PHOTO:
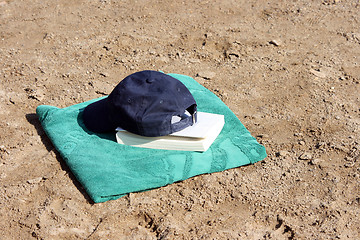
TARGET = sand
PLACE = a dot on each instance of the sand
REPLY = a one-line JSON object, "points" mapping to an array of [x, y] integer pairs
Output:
{"points": [[289, 70]]}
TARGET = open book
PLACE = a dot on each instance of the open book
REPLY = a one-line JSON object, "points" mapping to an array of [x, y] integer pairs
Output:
{"points": [[197, 137]]}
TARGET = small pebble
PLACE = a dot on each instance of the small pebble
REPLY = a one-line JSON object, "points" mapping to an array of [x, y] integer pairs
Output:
{"points": [[15, 100], [35, 180], [3, 149], [206, 75], [316, 161], [276, 42], [318, 73], [305, 156], [104, 74], [265, 136], [283, 153]]}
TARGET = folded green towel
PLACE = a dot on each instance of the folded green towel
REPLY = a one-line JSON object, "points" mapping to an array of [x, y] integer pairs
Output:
{"points": [[108, 170]]}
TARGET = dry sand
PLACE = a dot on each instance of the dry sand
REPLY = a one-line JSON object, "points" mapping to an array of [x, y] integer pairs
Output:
{"points": [[289, 70]]}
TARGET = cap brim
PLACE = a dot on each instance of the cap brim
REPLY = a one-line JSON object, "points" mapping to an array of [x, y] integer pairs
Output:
{"points": [[96, 117]]}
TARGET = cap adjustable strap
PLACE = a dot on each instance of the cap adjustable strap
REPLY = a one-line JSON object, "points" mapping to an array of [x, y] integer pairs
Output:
{"points": [[187, 121]]}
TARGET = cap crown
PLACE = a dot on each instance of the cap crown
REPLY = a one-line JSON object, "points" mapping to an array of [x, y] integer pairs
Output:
{"points": [[145, 102]]}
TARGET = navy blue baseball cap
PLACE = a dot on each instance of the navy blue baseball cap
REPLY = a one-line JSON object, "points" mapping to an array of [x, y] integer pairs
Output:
{"points": [[147, 103]]}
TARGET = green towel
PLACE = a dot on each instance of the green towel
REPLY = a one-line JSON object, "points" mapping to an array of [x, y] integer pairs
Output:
{"points": [[108, 170]]}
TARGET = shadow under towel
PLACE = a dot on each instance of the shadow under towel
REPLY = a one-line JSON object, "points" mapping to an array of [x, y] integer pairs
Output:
{"points": [[108, 170]]}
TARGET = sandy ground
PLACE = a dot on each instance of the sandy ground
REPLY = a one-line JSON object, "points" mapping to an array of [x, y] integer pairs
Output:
{"points": [[289, 70]]}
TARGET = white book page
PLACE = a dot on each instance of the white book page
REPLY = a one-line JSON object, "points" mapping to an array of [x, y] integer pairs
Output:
{"points": [[205, 122]]}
